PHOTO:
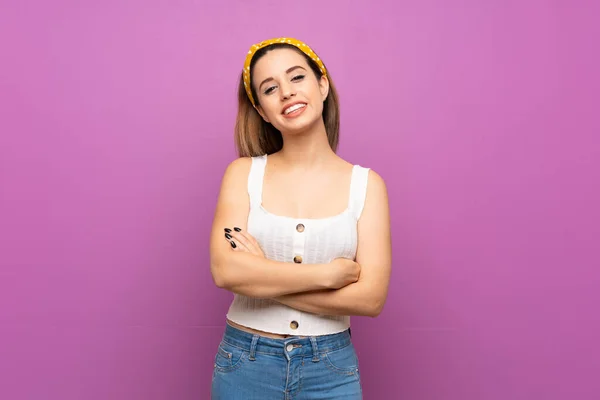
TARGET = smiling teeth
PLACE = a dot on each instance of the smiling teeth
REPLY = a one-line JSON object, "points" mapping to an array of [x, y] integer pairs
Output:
{"points": [[294, 108]]}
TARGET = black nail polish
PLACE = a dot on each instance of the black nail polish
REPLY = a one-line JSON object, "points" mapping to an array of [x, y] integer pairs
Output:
{"points": [[237, 229], [227, 230], [233, 244], [228, 236]]}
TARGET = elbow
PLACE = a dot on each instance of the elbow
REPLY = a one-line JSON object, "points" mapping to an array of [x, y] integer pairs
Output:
{"points": [[219, 281], [223, 271], [374, 308], [222, 280], [219, 276]]}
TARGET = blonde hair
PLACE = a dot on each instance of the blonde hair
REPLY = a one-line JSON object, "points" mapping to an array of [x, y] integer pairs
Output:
{"points": [[256, 137]]}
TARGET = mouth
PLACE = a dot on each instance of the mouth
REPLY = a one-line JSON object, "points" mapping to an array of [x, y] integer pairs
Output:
{"points": [[294, 109]]}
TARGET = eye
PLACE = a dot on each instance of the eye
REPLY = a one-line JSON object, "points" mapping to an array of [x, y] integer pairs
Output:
{"points": [[298, 78], [269, 90]]}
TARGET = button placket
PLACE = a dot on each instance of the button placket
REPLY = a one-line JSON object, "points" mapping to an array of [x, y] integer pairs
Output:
{"points": [[299, 240]]}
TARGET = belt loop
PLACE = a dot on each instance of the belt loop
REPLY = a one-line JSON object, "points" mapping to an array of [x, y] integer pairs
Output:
{"points": [[253, 348], [313, 342]]}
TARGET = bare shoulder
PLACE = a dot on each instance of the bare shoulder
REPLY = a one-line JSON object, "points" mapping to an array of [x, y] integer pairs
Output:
{"points": [[234, 182], [238, 167], [376, 181], [376, 186], [376, 200], [236, 173]]}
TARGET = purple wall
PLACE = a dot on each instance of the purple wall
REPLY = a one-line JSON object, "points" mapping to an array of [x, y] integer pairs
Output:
{"points": [[116, 124]]}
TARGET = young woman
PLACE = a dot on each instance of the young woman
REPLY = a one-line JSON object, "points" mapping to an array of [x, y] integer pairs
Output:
{"points": [[300, 236]]}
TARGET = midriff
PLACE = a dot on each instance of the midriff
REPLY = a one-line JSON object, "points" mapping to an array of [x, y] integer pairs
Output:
{"points": [[260, 333]]}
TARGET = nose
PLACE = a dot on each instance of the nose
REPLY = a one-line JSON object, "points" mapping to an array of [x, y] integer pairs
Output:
{"points": [[287, 91]]}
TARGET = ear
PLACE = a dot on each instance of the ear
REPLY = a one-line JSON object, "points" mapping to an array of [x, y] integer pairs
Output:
{"points": [[324, 87], [262, 114]]}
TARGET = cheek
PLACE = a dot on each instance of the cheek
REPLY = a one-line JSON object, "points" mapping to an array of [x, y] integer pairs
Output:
{"points": [[316, 94], [271, 110], [269, 107], [319, 107], [317, 99]]}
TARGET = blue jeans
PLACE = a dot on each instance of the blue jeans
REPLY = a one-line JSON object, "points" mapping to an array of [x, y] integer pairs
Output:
{"points": [[253, 367]]}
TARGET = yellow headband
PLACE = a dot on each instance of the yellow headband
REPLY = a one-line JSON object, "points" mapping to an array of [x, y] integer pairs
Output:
{"points": [[300, 45]]}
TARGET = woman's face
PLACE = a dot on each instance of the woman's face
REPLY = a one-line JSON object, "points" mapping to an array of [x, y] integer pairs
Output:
{"points": [[290, 96]]}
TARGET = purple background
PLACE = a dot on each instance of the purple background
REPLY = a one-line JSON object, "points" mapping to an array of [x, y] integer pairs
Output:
{"points": [[116, 122]]}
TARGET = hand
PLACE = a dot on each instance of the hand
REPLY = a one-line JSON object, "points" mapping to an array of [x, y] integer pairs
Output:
{"points": [[243, 241], [343, 272]]}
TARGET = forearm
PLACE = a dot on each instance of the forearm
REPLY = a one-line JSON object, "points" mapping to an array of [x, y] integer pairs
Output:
{"points": [[354, 299], [253, 276]]}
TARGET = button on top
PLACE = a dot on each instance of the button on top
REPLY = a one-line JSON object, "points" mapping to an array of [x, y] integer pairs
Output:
{"points": [[294, 325], [289, 347], [300, 228], [298, 259]]}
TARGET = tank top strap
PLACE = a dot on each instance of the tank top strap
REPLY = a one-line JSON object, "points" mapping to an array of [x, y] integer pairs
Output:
{"points": [[358, 190], [255, 180]]}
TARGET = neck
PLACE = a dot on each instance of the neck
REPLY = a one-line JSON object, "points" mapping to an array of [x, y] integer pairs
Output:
{"points": [[307, 149]]}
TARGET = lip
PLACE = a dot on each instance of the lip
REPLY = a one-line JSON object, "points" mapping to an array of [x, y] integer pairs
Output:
{"points": [[290, 105]]}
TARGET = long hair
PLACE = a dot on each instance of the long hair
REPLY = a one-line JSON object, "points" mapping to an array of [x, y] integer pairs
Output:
{"points": [[256, 137]]}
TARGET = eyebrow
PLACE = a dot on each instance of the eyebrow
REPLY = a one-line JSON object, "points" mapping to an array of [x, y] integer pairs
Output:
{"points": [[287, 72]]}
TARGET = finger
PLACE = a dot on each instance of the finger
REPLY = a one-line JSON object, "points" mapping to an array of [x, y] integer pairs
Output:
{"points": [[241, 239], [235, 244], [253, 241], [249, 241]]}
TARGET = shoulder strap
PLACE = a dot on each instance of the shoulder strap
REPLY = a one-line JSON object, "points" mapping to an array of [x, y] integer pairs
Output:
{"points": [[255, 180], [358, 190]]}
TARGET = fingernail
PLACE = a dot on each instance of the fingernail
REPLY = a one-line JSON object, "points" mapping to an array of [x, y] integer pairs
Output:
{"points": [[233, 244], [237, 229], [228, 236], [227, 230]]}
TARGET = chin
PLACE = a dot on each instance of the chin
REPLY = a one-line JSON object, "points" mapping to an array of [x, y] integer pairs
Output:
{"points": [[299, 124], [295, 129]]}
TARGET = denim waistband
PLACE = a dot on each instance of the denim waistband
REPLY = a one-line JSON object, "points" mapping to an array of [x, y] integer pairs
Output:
{"points": [[311, 345]]}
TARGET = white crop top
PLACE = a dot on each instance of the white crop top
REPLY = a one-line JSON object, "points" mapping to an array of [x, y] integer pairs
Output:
{"points": [[303, 241]]}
